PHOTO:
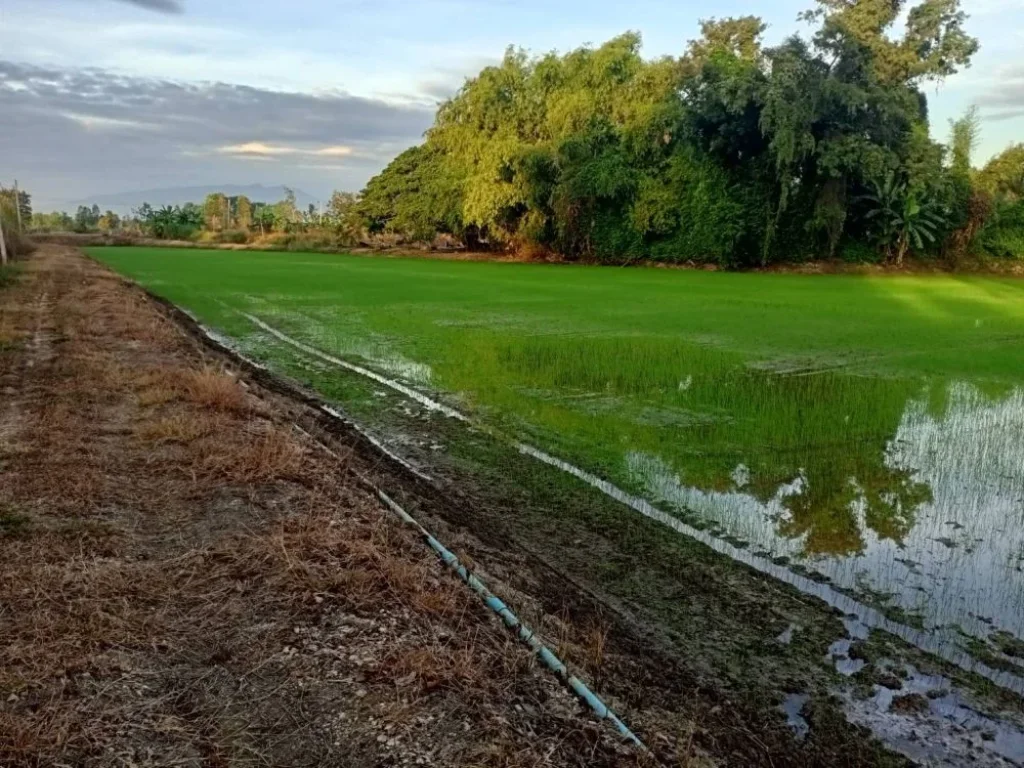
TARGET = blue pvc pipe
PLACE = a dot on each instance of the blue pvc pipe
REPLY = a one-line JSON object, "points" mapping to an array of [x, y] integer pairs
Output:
{"points": [[524, 633]]}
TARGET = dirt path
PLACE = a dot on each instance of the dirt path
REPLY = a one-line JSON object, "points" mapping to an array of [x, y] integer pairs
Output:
{"points": [[185, 579]]}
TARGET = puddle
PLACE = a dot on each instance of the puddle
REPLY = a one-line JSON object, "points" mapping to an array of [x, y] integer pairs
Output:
{"points": [[930, 721], [786, 636], [375, 349], [939, 643], [792, 707], [412, 394]]}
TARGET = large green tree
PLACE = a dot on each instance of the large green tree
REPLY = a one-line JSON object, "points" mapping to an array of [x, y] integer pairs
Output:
{"points": [[732, 153]]}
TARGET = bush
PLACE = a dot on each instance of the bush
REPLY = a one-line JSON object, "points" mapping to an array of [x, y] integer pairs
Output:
{"points": [[859, 252], [17, 245], [1003, 235], [689, 213], [310, 240]]}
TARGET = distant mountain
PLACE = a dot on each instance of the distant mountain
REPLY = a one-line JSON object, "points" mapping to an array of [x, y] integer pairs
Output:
{"points": [[122, 203]]}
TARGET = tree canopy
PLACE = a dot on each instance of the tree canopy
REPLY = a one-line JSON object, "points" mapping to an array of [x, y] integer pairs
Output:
{"points": [[732, 152]]}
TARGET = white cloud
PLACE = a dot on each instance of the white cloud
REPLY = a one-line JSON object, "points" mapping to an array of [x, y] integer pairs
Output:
{"points": [[262, 150], [100, 123]]}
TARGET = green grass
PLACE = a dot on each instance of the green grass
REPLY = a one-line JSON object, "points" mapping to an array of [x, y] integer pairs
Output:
{"points": [[657, 379], [8, 274]]}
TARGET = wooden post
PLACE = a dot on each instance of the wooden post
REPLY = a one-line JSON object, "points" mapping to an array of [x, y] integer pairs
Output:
{"points": [[3, 243]]}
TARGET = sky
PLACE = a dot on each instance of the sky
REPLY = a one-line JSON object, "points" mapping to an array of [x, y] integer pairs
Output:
{"points": [[109, 96]]}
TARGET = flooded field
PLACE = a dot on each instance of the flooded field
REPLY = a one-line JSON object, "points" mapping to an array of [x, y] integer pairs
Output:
{"points": [[865, 435]]}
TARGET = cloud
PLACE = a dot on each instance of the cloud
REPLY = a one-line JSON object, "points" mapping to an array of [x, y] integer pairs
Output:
{"points": [[79, 131], [261, 150], [96, 122], [1011, 114], [1003, 99], [164, 6]]}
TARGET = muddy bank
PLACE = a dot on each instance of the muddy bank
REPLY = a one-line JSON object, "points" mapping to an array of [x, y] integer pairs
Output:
{"points": [[187, 579]]}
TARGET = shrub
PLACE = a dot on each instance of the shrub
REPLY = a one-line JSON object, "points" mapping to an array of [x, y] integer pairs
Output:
{"points": [[859, 252], [237, 236], [1003, 235]]}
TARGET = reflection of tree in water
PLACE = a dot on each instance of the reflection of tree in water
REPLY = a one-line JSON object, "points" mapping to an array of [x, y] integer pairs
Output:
{"points": [[825, 512], [838, 450], [714, 412], [890, 507]]}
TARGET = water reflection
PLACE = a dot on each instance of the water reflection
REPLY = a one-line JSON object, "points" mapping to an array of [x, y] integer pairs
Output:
{"points": [[935, 526]]}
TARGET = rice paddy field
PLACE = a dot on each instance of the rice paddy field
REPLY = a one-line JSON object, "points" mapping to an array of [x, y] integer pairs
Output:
{"points": [[868, 431]]}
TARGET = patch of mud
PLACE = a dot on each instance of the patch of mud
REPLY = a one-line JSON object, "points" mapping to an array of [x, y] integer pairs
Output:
{"points": [[924, 716]]}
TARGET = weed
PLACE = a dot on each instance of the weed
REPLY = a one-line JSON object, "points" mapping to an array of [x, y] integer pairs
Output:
{"points": [[214, 389], [12, 522], [180, 428]]}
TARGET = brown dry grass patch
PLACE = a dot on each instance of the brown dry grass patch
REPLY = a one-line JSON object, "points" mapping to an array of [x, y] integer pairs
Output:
{"points": [[180, 428], [207, 387], [363, 563], [154, 396], [214, 389], [272, 455]]}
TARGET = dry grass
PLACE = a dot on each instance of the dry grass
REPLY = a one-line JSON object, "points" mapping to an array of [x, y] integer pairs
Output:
{"points": [[274, 454], [179, 428], [462, 670], [154, 396], [208, 387], [216, 390]]}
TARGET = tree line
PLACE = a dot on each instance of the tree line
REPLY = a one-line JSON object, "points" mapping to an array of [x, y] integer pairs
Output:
{"points": [[223, 219], [733, 153]]}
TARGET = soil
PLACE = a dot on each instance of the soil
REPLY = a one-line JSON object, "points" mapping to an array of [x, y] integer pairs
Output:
{"points": [[187, 579]]}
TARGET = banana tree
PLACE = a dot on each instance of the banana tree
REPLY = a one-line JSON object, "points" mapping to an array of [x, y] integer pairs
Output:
{"points": [[902, 218]]}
